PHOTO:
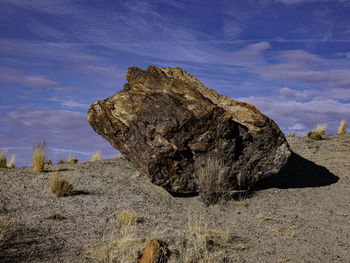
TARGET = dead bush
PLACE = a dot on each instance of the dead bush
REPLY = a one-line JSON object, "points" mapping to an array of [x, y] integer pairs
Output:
{"points": [[3, 158], [60, 186], [342, 127], [39, 155], [96, 156], [211, 181]]}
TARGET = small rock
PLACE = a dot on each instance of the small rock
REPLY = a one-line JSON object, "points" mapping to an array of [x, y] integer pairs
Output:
{"points": [[156, 251]]}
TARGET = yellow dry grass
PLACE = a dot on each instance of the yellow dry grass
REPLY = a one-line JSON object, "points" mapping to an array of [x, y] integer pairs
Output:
{"points": [[119, 156], [197, 241], [197, 238], [321, 129], [72, 160], [39, 155], [3, 157], [318, 132], [211, 183], [123, 248], [96, 156], [342, 127], [12, 161], [8, 230], [293, 134], [127, 218], [60, 186], [5, 226]]}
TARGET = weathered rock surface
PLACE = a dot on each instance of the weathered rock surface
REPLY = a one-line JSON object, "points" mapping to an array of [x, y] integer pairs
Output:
{"points": [[167, 123], [156, 251]]}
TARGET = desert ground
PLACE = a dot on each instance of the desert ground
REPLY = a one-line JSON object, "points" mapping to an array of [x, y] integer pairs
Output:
{"points": [[299, 215]]}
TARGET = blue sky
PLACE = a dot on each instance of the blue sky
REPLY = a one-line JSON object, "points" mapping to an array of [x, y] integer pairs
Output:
{"points": [[290, 58]]}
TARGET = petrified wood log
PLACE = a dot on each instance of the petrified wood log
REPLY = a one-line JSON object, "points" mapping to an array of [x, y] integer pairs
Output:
{"points": [[168, 124]]}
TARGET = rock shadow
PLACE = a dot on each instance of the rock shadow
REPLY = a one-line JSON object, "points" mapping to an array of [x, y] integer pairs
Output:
{"points": [[81, 192], [298, 173], [28, 245]]}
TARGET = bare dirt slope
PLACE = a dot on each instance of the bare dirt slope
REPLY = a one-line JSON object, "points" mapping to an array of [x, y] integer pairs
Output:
{"points": [[301, 215]]}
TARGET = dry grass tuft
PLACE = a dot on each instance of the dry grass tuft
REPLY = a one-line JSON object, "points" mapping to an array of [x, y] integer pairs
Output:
{"points": [[119, 156], [39, 155], [293, 134], [342, 127], [3, 158], [70, 160], [96, 156], [210, 182], [60, 186], [12, 161], [320, 130], [124, 248], [127, 218], [203, 243], [6, 232]]}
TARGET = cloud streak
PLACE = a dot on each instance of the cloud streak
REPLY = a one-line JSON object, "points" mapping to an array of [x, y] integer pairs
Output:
{"points": [[9, 75], [62, 129], [290, 114]]}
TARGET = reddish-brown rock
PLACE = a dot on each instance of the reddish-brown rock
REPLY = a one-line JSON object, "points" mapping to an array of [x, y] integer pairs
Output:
{"points": [[167, 124], [156, 251]]}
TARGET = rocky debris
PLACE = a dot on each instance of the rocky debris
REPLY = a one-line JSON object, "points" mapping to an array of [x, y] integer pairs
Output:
{"points": [[156, 251], [168, 124]]}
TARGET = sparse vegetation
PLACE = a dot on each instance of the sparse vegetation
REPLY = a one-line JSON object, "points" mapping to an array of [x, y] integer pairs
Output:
{"points": [[203, 243], [119, 156], [124, 248], [96, 156], [60, 186], [12, 161], [319, 131], [70, 160], [342, 127], [6, 230], [293, 134], [39, 155], [49, 162], [3, 159], [127, 218], [211, 183]]}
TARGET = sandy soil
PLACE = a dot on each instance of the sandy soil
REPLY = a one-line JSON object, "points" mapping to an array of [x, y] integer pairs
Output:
{"points": [[301, 215]]}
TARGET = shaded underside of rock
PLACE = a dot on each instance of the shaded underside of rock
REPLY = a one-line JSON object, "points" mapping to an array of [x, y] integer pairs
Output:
{"points": [[168, 124]]}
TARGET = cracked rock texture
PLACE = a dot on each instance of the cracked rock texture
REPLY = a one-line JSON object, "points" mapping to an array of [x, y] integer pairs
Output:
{"points": [[168, 125]]}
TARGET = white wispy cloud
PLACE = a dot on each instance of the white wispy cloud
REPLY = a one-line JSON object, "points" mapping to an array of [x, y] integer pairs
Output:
{"points": [[110, 72], [9, 75], [289, 114], [291, 2], [69, 103], [62, 129], [59, 52], [45, 6], [287, 93], [303, 67]]}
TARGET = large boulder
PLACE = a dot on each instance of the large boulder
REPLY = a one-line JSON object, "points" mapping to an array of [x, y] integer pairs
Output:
{"points": [[169, 125]]}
